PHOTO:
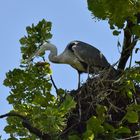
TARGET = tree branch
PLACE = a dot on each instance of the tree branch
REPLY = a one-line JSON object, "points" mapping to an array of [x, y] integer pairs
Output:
{"points": [[27, 125], [127, 47], [130, 40], [53, 83]]}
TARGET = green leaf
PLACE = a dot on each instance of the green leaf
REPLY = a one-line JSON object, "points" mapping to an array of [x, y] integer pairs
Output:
{"points": [[136, 30], [115, 32], [88, 135], [134, 107], [101, 112], [29, 30], [9, 129], [109, 127], [68, 104], [123, 130], [73, 137], [129, 94], [94, 124], [23, 41], [10, 99], [132, 116], [36, 35], [115, 12], [61, 92]]}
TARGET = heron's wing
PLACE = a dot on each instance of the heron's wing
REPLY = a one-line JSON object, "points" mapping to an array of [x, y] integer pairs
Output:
{"points": [[90, 55]]}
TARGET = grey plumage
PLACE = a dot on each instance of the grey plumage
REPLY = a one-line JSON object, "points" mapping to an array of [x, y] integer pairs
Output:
{"points": [[90, 57], [81, 56]]}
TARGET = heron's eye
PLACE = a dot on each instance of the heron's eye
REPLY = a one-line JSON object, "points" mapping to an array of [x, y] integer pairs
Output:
{"points": [[71, 45]]}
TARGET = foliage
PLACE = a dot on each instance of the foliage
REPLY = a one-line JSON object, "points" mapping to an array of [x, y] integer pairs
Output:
{"points": [[117, 13], [129, 80], [108, 110], [36, 35], [112, 106], [30, 93]]}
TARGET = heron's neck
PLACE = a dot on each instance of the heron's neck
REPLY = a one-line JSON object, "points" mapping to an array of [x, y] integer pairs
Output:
{"points": [[53, 57]]}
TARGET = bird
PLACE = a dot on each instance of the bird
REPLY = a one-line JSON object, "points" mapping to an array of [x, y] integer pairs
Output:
{"points": [[82, 56]]}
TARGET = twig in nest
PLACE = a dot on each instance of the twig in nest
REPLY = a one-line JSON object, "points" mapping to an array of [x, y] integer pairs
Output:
{"points": [[79, 104], [114, 107]]}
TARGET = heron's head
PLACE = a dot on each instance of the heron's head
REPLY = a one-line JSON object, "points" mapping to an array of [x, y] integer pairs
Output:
{"points": [[42, 49]]}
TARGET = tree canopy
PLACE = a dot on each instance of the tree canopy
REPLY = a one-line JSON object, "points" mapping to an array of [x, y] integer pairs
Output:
{"points": [[106, 107]]}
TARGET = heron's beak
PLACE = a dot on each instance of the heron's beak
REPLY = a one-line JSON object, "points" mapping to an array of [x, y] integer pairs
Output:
{"points": [[37, 52]]}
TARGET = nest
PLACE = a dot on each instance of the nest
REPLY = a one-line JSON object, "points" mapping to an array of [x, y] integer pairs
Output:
{"points": [[99, 90]]}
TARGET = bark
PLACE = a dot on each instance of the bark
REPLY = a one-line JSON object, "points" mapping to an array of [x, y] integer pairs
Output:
{"points": [[128, 45]]}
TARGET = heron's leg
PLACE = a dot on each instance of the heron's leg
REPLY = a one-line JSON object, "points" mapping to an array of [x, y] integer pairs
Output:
{"points": [[79, 79], [88, 72], [88, 78]]}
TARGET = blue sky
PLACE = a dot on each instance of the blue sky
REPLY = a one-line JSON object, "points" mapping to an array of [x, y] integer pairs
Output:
{"points": [[71, 21]]}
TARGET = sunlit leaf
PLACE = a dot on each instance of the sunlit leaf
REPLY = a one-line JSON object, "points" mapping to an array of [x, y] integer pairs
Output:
{"points": [[94, 124], [123, 130], [132, 117], [88, 135], [101, 112]]}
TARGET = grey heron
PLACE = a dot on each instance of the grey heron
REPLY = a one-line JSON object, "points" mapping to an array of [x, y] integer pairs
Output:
{"points": [[81, 56]]}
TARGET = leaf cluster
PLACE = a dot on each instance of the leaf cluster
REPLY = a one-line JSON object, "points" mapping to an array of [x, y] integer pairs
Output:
{"points": [[107, 112], [36, 35], [31, 97], [31, 92], [117, 13]]}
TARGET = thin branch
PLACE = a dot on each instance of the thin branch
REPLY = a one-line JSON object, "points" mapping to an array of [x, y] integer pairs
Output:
{"points": [[128, 45], [79, 107], [12, 114], [129, 138], [119, 45], [130, 63], [67, 130], [27, 125], [53, 83]]}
